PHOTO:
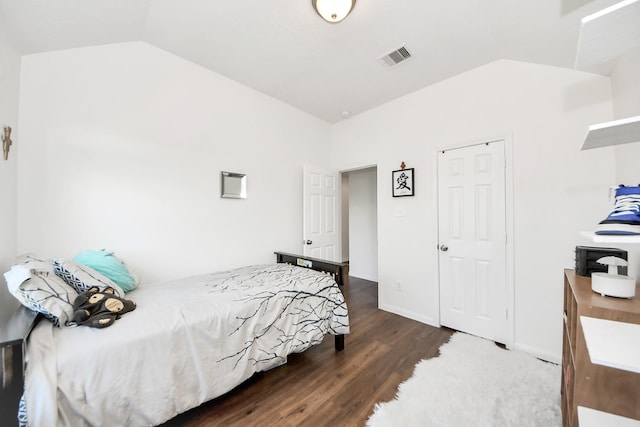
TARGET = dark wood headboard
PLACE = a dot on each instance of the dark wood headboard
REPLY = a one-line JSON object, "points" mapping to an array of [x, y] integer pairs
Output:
{"points": [[336, 269], [13, 344]]}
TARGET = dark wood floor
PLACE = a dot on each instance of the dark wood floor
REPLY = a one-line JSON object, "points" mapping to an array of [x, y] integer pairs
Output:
{"points": [[321, 387]]}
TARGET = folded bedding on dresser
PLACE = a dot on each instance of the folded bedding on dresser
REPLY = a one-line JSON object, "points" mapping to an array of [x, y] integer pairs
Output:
{"points": [[187, 342]]}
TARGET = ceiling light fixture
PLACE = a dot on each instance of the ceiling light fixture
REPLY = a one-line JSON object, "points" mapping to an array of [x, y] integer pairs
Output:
{"points": [[333, 11]]}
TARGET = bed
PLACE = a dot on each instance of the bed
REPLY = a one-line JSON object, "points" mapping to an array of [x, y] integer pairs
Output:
{"points": [[187, 342]]}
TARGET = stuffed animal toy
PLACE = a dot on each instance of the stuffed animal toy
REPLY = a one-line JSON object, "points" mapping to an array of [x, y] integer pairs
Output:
{"points": [[99, 309]]}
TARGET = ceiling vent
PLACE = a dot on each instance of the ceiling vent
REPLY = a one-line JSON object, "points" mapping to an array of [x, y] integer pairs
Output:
{"points": [[394, 58]]}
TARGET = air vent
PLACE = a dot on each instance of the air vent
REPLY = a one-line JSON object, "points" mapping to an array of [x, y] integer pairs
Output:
{"points": [[394, 58]]}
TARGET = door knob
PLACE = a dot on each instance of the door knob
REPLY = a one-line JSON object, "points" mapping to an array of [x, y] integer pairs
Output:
{"points": [[308, 242], [444, 248]]}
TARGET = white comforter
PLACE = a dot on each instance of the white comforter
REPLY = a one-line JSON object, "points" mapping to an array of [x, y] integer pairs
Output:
{"points": [[188, 341]]}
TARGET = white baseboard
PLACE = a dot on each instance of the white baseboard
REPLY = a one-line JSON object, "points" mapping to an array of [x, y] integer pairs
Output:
{"points": [[540, 354], [409, 314], [534, 351], [369, 277]]}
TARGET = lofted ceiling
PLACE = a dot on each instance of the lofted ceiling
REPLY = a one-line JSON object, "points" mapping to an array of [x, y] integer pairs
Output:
{"points": [[284, 49]]}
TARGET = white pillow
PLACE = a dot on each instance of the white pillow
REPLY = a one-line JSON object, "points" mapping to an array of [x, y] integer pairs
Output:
{"points": [[34, 262], [82, 278], [48, 294], [14, 277]]}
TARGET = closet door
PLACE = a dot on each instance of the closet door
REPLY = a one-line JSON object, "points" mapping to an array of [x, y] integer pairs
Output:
{"points": [[472, 240]]}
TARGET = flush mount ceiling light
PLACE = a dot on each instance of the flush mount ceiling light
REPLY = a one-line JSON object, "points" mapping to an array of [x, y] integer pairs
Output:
{"points": [[333, 11]]}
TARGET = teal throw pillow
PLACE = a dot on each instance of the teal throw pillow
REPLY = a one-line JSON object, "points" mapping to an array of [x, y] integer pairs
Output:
{"points": [[106, 263]]}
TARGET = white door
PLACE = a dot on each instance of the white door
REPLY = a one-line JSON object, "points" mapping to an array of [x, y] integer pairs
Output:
{"points": [[321, 219], [472, 240]]}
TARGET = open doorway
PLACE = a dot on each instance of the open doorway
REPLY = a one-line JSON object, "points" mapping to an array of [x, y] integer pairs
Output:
{"points": [[360, 222]]}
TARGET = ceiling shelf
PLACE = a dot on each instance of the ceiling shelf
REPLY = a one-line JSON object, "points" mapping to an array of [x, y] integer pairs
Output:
{"points": [[607, 35], [616, 132], [604, 238]]}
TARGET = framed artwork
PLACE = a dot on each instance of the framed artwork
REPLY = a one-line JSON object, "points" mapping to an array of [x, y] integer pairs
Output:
{"points": [[402, 182], [234, 185]]}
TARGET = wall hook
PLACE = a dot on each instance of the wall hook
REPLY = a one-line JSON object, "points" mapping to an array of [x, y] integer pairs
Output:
{"points": [[402, 165], [6, 141]]}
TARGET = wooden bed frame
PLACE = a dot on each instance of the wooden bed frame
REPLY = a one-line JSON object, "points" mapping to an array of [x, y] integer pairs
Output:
{"points": [[15, 331]]}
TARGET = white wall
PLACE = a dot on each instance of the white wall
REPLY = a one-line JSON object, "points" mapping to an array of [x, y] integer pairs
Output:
{"points": [[363, 224], [9, 85], [122, 147], [626, 103], [557, 188]]}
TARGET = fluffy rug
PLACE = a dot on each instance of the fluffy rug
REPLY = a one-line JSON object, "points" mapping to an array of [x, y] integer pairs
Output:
{"points": [[475, 383]]}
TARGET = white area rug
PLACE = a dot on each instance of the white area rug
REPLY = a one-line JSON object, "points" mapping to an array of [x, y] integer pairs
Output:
{"points": [[475, 383]]}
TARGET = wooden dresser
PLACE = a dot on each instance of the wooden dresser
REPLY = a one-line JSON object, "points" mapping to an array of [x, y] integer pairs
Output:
{"points": [[599, 367]]}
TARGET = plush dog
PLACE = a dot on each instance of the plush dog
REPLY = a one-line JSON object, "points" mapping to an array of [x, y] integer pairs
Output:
{"points": [[99, 309]]}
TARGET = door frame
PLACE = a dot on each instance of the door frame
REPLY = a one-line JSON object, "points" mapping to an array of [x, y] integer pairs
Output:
{"points": [[356, 166], [509, 212], [347, 171], [352, 167]]}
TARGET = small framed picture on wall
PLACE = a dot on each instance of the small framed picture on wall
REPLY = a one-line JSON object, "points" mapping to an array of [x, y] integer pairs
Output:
{"points": [[403, 182]]}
